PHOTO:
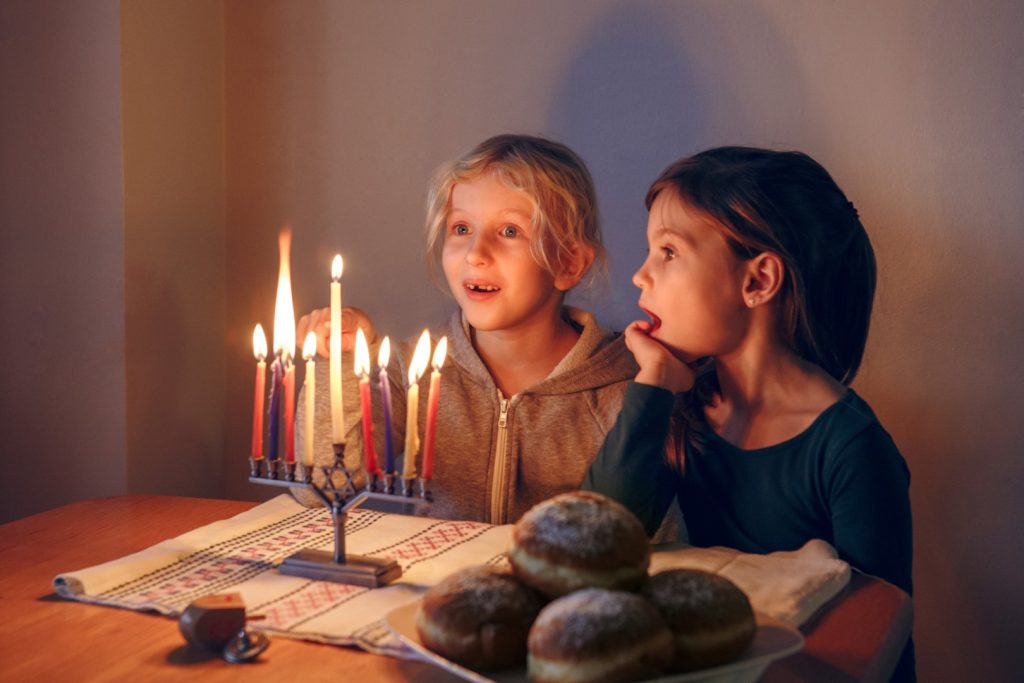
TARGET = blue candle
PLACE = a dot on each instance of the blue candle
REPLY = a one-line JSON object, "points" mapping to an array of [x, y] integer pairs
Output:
{"points": [[276, 380], [385, 399]]}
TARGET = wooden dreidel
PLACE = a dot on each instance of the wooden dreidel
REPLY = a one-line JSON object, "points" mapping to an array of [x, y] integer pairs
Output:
{"points": [[213, 620]]}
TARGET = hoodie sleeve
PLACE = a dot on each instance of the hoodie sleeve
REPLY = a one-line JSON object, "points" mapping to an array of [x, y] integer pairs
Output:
{"points": [[631, 466]]}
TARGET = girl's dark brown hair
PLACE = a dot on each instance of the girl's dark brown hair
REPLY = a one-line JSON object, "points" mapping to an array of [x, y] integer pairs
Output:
{"points": [[788, 204]]}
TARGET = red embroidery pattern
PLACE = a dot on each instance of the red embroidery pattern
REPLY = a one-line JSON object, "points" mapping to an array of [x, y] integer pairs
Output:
{"points": [[432, 541], [210, 571], [310, 599]]}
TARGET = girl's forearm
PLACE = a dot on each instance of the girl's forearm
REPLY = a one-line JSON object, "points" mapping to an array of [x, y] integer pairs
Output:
{"points": [[631, 466]]}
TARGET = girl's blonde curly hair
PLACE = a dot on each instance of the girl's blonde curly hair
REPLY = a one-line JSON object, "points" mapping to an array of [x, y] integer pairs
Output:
{"points": [[550, 174]]}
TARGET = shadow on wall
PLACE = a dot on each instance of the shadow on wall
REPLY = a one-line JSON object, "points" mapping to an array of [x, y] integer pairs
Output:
{"points": [[647, 87]]}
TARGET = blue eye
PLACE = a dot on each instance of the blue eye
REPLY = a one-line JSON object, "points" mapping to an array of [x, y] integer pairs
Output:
{"points": [[668, 253], [460, 229], [510, 231]]}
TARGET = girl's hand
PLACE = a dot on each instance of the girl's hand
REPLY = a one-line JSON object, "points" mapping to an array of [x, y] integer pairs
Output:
{"points": [[658, 366], [318, 321]]}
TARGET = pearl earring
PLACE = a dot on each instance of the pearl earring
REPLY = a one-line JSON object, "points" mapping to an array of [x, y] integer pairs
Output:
{"points": [[750, 301]]}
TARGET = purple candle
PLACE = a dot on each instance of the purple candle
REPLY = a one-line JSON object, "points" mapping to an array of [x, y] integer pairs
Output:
{"points": [[276, 380], [385, 398]]}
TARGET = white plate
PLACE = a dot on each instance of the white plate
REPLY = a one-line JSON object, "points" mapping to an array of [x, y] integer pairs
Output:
{"points": [[772, 641]]}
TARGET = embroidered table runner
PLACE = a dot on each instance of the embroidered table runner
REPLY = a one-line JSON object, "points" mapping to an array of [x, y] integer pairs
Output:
{"points": [[241, 554]]}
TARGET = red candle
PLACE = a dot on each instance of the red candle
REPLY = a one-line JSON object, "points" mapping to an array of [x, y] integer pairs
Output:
{"points": [[309, 352], [362, 369], [432, 398], [259, 349], [289, 411], [284, 344]]}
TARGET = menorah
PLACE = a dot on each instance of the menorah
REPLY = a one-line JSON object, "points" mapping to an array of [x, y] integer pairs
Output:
{"points": [[339, 491]]}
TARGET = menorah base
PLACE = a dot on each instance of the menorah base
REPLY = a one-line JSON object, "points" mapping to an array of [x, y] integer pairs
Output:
{"points": [[357, 570]]}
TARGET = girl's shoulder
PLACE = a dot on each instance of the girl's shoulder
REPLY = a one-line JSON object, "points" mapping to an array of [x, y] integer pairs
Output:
{"points": [[854, 437]]}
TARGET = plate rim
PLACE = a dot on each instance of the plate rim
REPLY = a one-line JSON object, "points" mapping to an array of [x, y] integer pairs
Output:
{"points": [[408, 612]]}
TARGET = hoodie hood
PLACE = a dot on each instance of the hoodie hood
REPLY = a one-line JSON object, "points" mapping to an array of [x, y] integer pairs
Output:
{"points": [[598, 359]]}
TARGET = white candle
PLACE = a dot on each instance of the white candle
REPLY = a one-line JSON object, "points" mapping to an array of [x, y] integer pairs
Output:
{"points": [[420, 358], [309, 353], [337, 410]]}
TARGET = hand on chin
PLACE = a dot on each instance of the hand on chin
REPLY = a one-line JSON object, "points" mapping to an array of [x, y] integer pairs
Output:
{"points": [[659, 364]]}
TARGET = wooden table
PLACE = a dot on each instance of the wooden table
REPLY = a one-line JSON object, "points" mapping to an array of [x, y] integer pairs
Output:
{"points": [[857, 637]]}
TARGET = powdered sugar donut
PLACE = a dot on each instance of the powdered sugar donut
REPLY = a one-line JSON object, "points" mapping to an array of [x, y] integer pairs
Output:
{"points": [[579, 540], [710, 617], [478, 617], [598, 635]]}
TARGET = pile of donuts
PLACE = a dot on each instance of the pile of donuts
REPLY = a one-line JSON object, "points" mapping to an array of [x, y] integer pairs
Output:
{"points": [[578, 605]]}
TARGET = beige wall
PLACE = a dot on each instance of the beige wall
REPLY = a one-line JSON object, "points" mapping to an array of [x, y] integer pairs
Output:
{"points": [[334, 115], [173, 107], [62, 406], [112, 209]]}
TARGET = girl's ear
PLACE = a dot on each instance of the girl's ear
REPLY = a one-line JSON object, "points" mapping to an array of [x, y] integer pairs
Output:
{"points": [[763, 278], [574, 267]]}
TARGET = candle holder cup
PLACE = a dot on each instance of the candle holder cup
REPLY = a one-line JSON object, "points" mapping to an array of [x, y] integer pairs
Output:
{"points": [[377, 494]]}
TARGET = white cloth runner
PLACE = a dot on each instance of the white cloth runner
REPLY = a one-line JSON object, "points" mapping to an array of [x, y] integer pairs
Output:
{"points": [[789, 585], [240, 555]]}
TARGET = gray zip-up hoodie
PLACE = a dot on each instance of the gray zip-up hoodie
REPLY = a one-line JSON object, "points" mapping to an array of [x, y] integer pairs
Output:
{"points": [[495, 457]]}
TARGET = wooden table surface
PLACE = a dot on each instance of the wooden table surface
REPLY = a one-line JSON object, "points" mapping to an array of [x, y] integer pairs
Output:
{"points": [[43, 637]]}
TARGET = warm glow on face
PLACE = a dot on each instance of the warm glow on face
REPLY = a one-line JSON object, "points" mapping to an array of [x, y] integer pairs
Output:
{"points": [[337, 266], [420, 358], [384, 355], [259, 343], [309, 346], [440, 352], [362, 360], [284, 309]]}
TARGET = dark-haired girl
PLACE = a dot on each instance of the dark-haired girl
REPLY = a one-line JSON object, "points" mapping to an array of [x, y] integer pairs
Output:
{"points": [[758, 284]]}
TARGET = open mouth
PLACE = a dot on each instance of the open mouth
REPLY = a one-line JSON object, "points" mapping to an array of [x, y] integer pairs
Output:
{"points": [[655, 320], [479, 288]]}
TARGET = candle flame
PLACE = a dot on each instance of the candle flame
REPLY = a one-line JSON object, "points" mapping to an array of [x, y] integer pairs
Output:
{"points": [[309, 346], [284, 309], [440, 353], [384, 355], [337, 266], [259, 343], [420, 358], [362, 360]]}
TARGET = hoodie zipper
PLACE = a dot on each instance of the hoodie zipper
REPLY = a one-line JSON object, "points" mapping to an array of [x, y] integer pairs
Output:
{"points": [[498, 483]]}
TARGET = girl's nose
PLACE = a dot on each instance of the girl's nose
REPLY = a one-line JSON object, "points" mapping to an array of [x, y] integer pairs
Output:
{"points": [[640, 278], [478, 252]]}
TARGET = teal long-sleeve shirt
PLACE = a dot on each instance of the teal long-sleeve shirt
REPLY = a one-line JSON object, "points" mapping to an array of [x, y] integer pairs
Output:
{"points": [[842, 480]]}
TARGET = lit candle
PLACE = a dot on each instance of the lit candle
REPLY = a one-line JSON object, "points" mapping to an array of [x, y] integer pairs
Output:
{"points": [[383, 356], [412, 437], [284, 345], [259, 349], [432, 398], [289, 409], [337, 411], [309, 353], [362, 370], [274, 413]]}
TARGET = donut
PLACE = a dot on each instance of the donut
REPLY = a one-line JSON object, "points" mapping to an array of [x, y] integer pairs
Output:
{"points": [[478, 617], [598, 635], [579, 540], [710, 618]]}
